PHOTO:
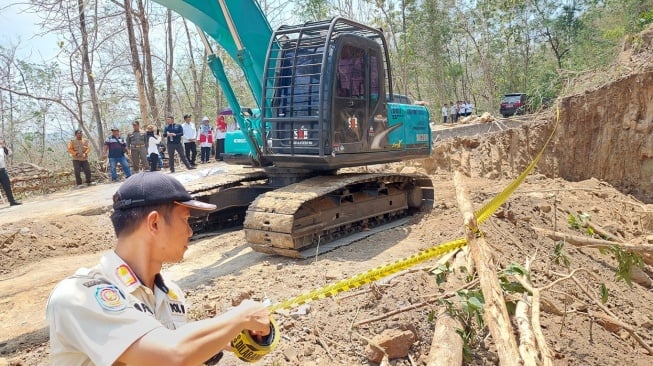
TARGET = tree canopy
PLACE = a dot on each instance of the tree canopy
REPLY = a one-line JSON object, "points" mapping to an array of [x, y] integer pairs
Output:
{"points": [[133, 59]]}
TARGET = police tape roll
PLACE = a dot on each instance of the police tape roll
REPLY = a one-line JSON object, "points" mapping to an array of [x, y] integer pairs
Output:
{"points": [[248, 349]]}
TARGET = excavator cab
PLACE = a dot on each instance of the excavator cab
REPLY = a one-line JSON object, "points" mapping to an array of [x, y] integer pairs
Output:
{"points": [[325, 86]]}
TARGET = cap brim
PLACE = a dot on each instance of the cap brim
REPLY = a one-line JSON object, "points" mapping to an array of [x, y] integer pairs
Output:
{"points": [[198, 205]]}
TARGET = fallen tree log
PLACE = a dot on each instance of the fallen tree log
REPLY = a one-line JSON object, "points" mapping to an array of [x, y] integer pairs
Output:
{"points": [[447, 345], [495, 313], [535, 325]]}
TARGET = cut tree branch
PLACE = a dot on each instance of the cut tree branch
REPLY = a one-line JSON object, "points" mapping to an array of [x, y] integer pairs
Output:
{"points": [[545, 352], [581, 241], [615, 319], [495, 312], [447, 345], [416, 305]]}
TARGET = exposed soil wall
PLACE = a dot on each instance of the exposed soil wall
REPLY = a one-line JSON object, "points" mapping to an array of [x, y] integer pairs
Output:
{"points": [[607, 134], [501, 154]]}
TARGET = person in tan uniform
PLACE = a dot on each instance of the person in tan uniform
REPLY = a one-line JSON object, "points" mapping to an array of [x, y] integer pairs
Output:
{"points": [[79, 148], [123, 310], [137, 143]]}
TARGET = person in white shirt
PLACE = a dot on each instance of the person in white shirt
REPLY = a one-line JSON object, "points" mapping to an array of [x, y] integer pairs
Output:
{"points": [[445, 113], [469, 108], [453, 112], [190, 139], [153, 142], [4, 177]]}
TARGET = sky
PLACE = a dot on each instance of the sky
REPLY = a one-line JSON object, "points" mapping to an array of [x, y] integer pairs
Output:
{"points": [[19, 27]]}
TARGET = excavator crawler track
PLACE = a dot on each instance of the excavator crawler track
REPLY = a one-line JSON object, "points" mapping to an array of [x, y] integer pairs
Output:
{"points": [[231, 193], [322, 209]]}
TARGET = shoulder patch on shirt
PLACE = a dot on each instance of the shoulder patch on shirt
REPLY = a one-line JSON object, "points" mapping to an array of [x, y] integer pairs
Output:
{"points": [[126, 275], [110, 298], [172, 295]]}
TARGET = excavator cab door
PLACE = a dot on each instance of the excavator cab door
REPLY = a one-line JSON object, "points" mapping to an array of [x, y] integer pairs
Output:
{"points": [[358, 86]]}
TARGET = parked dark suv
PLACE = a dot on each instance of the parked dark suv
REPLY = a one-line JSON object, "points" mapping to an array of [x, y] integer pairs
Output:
{"points": [[514, 103]]}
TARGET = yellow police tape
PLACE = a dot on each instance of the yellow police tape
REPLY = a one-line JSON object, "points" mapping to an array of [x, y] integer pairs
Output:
{"points": [[433, 252], [247, 349]]}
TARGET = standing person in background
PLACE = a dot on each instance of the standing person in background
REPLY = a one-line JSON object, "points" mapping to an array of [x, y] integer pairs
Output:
{"points": [[79, 148], [4, 177], [453, 112], [161, 147], [445, 112], [115, 148], [137, 142], [190, 139], [173, 133], [469, 108], [153, 142], [220, 134], [206, 140]]}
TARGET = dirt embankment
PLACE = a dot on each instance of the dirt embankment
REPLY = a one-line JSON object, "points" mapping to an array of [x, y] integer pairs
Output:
{"points": [[604, 132]]}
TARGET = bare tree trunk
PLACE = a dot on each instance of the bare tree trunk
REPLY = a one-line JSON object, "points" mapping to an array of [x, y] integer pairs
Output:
{"points": [[136, 62], [197, 83], [89, 73], [169, 65], [7, 72], [399, 64], [218, 98], [202, 77], [147, 60], [495, 313], [447, 345]]}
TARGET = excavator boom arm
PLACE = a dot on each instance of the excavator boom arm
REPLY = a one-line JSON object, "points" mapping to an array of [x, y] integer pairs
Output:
{"points": [[238, 26], [242, 30]]}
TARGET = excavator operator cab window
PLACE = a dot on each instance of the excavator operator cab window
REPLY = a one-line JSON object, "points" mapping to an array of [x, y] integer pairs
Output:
{"points": [[355, 95]]}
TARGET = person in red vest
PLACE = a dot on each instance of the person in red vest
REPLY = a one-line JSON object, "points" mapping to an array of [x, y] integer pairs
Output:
{"points": [[220, 134], [206, 140]]}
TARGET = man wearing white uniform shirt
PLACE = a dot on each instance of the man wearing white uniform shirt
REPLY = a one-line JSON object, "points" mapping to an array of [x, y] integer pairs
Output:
{"points": [[190, 139], [123, 311]]}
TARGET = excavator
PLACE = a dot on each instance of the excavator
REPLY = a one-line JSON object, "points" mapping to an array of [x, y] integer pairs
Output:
{"points": [[323, 93]]}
